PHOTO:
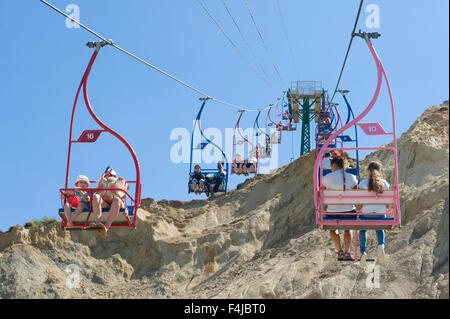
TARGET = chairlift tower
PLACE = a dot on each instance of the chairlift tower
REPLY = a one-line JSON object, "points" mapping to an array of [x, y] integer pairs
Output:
{"points": [[306, 99]]}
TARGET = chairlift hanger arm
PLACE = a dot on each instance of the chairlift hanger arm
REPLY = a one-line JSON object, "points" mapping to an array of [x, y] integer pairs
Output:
{"points": [[84, 85], [197, 123], [345, 127], [256, 125]]}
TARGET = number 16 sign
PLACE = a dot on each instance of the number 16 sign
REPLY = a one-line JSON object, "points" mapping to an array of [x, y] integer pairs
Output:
{"points": [[89, 136]]}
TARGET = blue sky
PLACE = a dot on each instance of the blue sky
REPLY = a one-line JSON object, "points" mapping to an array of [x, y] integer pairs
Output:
{"points": [[42, 62]]}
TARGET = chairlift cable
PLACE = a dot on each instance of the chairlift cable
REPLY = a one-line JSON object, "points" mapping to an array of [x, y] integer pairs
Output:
{"points": [[348, 49], [264, 43], [234, 45], [110, 42], [250, 48], [287, 38]]}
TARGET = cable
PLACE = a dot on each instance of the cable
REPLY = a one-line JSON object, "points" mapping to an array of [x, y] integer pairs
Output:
{"points": [[244, 38], [234, 45], [287, 38], [149, 64], [264, 44], [348, 49]]}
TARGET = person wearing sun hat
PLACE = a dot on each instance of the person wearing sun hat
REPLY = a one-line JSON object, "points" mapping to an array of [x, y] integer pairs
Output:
{"points": [[78, 199], [112, 199]]}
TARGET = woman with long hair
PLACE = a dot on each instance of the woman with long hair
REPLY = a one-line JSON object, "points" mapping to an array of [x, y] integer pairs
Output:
{"points": [[377, 185]]}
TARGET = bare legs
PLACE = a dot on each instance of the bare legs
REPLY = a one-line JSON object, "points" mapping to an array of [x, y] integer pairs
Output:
{"points": [[116, 205], [337, 240], [98, 203], [71, 216]]}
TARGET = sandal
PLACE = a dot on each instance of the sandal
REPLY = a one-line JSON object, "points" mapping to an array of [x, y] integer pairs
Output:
{"points": [[102, 231], [340, 255], [348, 256]]}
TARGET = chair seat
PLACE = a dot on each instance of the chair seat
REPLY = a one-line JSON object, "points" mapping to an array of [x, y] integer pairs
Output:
{"points": [[361, 222], [130, 210], [123, 219], [342, 217], [358, 227], [376, 217]]}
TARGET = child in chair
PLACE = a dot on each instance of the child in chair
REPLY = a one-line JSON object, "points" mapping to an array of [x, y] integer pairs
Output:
{"points": [[79, 200]]}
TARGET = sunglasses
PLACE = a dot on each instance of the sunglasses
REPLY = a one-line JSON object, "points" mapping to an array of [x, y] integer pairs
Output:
{"points": [[112, 175]]}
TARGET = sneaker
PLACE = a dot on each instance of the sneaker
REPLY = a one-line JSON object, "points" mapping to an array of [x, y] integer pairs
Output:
{"points": [[362, 261], [381, 255]]}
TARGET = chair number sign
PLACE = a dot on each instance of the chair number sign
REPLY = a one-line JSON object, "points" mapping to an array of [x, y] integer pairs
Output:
{"points": [[89, 136], [372, 128]]}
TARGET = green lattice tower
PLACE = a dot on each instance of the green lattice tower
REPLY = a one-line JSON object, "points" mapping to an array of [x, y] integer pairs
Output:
{"points": [[302, 97], [305, 145], [306, 116]]}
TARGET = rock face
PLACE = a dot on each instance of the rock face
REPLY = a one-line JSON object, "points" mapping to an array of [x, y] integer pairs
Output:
{"points": [[259, 241]]}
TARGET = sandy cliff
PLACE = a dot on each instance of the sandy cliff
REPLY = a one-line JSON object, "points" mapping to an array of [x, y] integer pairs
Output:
{"points": [[259, 241]]}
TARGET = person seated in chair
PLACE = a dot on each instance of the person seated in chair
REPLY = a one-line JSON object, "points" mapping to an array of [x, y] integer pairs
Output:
{"points": [[280, 126], [218, 178], [79, 199], [260, 149], [250, 165], [274, 137], [268, 150], [238, 164], [377, 185], [197, 182], [113, 197], [338, 179]]}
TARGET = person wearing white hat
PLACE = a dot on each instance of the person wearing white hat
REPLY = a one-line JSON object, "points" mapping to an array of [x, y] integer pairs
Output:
{"points": [[79, 199]]}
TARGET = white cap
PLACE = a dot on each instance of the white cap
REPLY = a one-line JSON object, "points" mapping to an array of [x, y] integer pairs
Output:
{"points": [[82, 178]]}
